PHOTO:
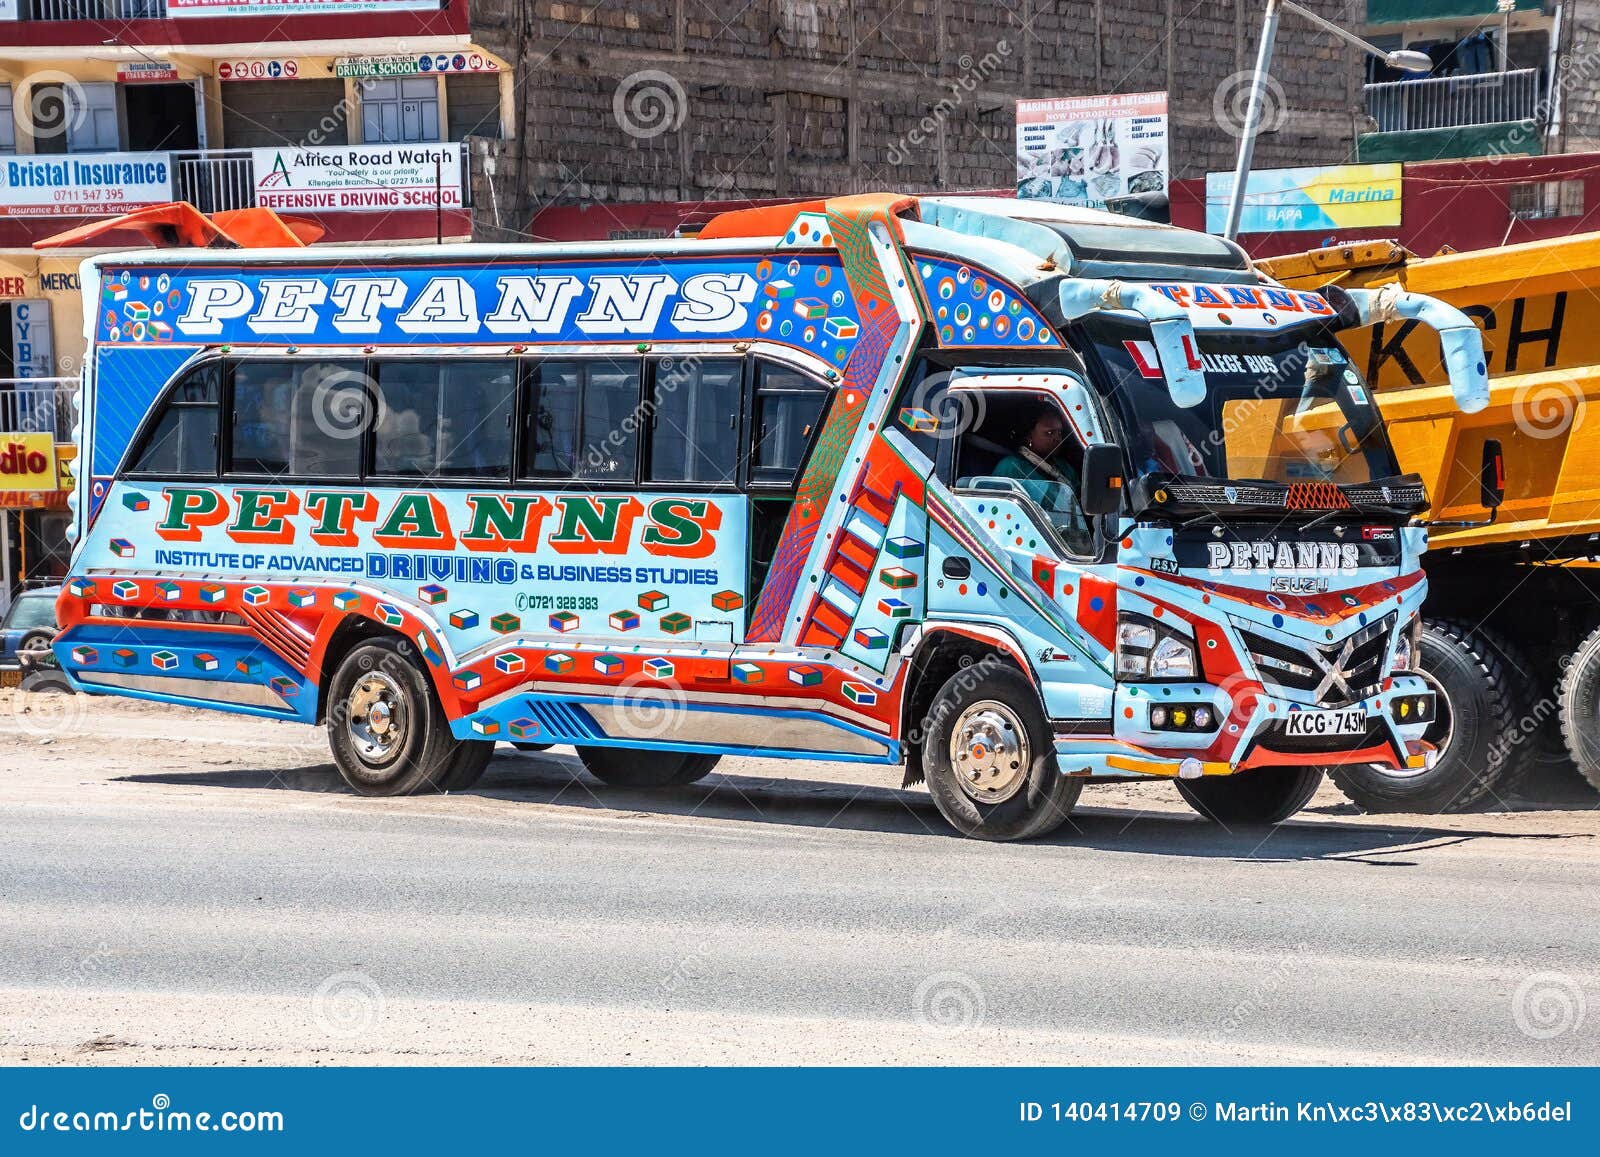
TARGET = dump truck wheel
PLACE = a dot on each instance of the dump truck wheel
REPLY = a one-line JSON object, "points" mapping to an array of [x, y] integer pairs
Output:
{"points": [[1262, 795], [1475, 674], [1580, 709]]}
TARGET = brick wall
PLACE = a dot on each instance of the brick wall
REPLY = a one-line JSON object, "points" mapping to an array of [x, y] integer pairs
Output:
{"points": [[1580, 77], [688, 99]]}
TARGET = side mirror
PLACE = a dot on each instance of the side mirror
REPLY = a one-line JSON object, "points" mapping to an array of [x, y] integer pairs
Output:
{"points": [[1492, 479], [1100, 489]]}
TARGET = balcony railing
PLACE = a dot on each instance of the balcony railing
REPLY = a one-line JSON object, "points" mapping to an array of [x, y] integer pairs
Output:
{"points": [[94, 9], [1449, 102], [215, 180], [38, 406]]}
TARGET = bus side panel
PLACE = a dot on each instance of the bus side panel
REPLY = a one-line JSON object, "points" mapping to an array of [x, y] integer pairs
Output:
{"points": [[233, 593]]}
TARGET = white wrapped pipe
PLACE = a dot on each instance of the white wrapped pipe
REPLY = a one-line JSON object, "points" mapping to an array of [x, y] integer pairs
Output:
{"points": [[1170, 328], [1459, 337]]}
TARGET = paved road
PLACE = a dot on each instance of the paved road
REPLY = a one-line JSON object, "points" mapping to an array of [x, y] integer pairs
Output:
{"points": [[198, 890]]}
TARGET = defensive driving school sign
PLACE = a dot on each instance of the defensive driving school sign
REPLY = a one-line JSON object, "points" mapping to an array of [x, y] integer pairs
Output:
{"points": [[358, 178]]}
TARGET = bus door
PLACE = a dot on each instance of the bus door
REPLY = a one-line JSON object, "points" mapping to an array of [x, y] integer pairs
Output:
{"points": [[786, 408]]}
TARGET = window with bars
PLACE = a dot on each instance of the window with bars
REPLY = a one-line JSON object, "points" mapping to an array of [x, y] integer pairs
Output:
{"points": [[1543, 200]]}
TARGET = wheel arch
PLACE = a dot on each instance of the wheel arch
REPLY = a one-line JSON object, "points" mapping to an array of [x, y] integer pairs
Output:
{"points": [[351, 632], [941, 651]]}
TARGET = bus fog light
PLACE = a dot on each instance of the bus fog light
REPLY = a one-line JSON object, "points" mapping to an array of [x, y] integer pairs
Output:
{"points": [[1183, 717], [1191, 768]]}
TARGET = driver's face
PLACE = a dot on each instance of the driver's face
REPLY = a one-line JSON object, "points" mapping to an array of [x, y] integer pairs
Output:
{"points": [[1046, 436]]}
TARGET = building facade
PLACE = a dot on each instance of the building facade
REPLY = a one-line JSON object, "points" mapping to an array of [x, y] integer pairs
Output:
{"points": [[632, 105], [366, 118]]}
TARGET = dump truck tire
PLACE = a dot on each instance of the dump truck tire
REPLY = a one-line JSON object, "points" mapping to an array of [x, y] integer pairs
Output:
{"points": [[1478, 676], [1580, 709]]}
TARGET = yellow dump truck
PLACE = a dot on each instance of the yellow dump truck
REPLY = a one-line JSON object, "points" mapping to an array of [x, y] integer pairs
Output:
{"points": [[1513, 607]]}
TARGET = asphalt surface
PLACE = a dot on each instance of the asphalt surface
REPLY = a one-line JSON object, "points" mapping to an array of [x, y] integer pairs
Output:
{"points": [[177, 887]]}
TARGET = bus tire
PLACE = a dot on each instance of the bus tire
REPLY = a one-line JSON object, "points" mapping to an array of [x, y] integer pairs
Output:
{"points": [[640, 767], [388, 732], [466, 767], [990, 758], [520, 746], [1473, 671], [1262, 795], [1580, 709]]}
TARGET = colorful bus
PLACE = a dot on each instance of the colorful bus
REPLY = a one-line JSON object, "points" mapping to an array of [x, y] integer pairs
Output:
{"points": [[1013, 496]]}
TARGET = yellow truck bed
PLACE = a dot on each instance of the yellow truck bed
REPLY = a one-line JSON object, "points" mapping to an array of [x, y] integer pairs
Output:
{"points": [[1539, 307]]}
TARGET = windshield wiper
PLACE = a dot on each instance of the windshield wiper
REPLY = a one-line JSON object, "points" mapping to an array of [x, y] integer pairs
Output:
{"points": [[1364, 511], [1195, 520]]}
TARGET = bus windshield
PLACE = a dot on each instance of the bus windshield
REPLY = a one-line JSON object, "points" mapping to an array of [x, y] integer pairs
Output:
{"points": [[1279, 407]]}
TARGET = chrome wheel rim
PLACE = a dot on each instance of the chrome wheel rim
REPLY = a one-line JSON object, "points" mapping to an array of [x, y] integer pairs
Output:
{"points": [[989, 752], [377, 720]]}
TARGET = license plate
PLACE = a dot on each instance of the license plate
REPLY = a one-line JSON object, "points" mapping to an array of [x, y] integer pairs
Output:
{"points": [[1350, 721]]}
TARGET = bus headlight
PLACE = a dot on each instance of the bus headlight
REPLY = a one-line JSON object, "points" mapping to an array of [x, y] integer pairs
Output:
{"points": [[1147, 649], [1408, 648]]}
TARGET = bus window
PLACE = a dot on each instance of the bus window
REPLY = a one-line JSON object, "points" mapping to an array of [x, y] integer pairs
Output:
{"points": [[184, 439], [583, 420], [444, 419], [694, 433], [788, 409], [298, 419]]}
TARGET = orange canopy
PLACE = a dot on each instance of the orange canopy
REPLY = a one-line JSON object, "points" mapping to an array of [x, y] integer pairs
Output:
{"points": [[179, 224]]}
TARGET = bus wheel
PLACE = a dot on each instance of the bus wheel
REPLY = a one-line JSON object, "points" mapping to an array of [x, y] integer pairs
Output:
{"points": [[466, 767], [640, 767], [1473, 673], [388, 733], [1580, 709], [990, 758], [1262, 795], [532, 746]]}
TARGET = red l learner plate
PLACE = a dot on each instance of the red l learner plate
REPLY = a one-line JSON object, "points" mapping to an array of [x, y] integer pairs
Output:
{"points": [[1349, 721]]}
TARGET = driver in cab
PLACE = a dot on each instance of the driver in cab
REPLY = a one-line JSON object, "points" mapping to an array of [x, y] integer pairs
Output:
{"points": [[1041, 465]]}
